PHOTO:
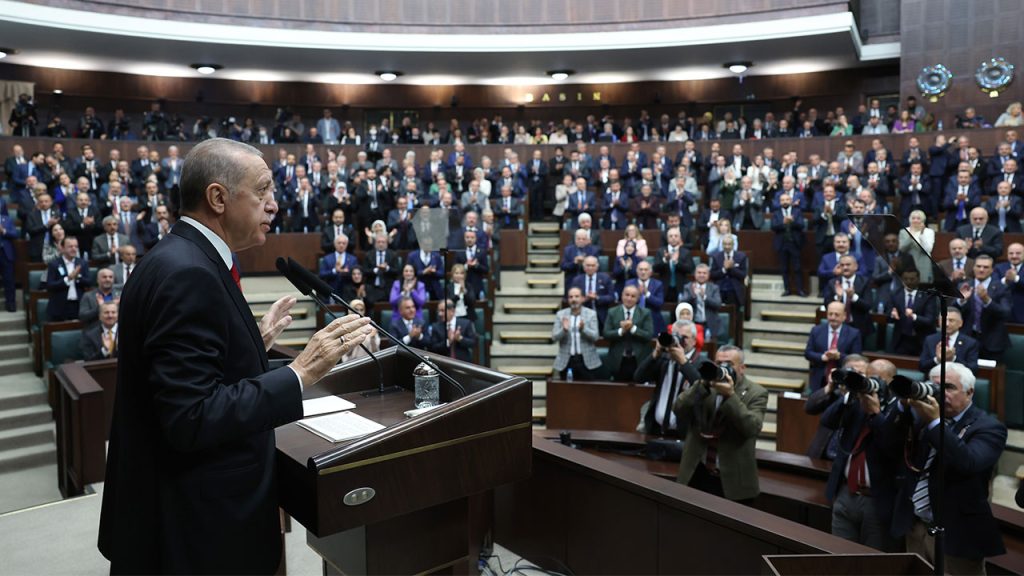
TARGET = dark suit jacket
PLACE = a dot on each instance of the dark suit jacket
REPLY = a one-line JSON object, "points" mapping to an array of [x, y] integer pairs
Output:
{"points": [[818, 344], [794, 230], [821, 237], [966, 348], [398, 331], [951, 206], [654, 370], [1016, 292], [605, 292], [100, 251], [569, 265], [860, 311], [909, 333], [476, 273], [387, 277], [992, 336], [37, 230], [190, 481], [327, 237], [973, 446], [683, 268], [991, 240], [75, 226], [730, 280], [463, 348], [91, 345], [58, 307], [328, 273], [653, 302], [1013, 214], [641, 339], [432, 281]]}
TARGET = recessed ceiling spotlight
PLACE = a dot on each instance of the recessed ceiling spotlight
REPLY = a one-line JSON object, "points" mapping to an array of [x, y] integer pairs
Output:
{"points": [[5, 52], [559, 75], [58, 91], [388, 75], [737, 67], [206, 69]]}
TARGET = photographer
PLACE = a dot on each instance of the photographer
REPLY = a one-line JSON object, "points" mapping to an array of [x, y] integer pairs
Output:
{"points": [[721, 418], [672, 367], [860, 485], [23, 119], [154, 123], [973, 441], [825, 442]]}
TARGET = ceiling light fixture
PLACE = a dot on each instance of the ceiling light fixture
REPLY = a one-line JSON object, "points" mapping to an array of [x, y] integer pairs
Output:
{"points": [[738, 67], [58, 91], [206, 69], [559, 75], [5, 52], [388, 75]]}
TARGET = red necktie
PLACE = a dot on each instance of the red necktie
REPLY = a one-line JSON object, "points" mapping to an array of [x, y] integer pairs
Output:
{"points": [[237, 278], [856, 476], [833, 345]]}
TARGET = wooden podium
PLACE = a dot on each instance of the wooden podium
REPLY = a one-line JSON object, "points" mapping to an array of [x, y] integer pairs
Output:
{"points": [[413, 497]]}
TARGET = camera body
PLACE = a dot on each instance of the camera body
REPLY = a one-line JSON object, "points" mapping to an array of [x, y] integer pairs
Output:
{"points": [[904, 387], [667, 340], [711, 372], [858, 383]]}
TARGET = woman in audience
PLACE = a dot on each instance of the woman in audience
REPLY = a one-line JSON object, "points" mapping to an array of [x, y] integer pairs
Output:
{"points": [[378, 227], [351, 138], [758, 173], [356, 287], [684, 311], [629, 135], [904, 125], [624, 269], [632, 234], [51, 249], [655, 135], [522, 136], [721, 229], [562, 192], [1012, 116], [538, 136], [927, 124], [409, 286], [460, 294], [372, 344], [484, 183], [918, 241], [842, 127]]}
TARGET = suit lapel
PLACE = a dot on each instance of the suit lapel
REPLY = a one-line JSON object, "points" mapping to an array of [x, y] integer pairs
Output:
{"points": [[196, 237]]}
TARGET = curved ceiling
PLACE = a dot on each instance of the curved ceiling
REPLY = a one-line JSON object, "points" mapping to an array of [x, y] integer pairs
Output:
{"points": [[71, 39]]}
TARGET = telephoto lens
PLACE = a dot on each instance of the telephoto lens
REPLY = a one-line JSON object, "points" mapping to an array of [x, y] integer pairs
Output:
{"points": [[711, 372], [904, 387], [856, 382], [666, 339]]}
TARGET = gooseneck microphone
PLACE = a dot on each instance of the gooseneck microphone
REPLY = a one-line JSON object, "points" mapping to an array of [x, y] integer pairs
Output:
{"points": [[306, 290], [310, 279]]}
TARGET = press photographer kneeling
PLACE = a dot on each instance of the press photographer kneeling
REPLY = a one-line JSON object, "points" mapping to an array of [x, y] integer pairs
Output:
{"points": [[720, 419], [860, 485]]}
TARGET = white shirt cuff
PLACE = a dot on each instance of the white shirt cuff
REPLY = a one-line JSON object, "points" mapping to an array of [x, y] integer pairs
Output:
{"points": [[297, 377]]}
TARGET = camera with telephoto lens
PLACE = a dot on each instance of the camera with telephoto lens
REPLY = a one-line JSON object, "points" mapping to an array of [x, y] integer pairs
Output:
{"points": [[904, 387], [667, 340], [711, 372], [858, 383]]}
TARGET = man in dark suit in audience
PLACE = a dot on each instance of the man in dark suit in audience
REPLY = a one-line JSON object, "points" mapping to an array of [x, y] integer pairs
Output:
{"points": [[305, 208], [400, 220], [958, 266], [825, 443], [729, 271], [673, 264], [986, 309], [99, 341], [829, 213], [916, 192], [974, 441], [961, 196], [455, 337], [106, 247], [83, 221], [652, 294], [1005, 210], [407, 328], [128, 261], [575, 253], [67, 279], [981, 237], [474, 258], [507, 209], [104, 292], [672, 370], [336, 267], [332, 230], [38, 226], [629, 331], [429, 269], [960, 347], [382, 268], [852, 290], [788, 224], [598, 288], [829, 344], [913, 313], [1009, 274], [706, 300]]}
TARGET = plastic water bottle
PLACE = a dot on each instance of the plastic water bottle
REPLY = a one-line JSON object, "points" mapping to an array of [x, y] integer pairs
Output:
{"points": [[427, 386], [568, 375]]}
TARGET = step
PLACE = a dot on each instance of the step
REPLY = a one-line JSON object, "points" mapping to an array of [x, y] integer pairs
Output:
{"points": [[533, 352], [26, 436], [544, 243], [526, 371], [25, 416], [14, 351], [296, 343], [528, 321], [544, 282], [788, 316], [540, 414], [21, 365], [789, 331], [777, 297], [540, 389], [12, 320], [525, 336], [532, 307], [775, 383], [768, 430], [14, 336], [545, 228], [22, 399], [297, 313], [778, 346], [534, 271], [543, 261], [27, 457]]}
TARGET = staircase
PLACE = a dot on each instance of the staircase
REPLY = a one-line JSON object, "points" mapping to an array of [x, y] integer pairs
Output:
{"points": [[26, 422], [262, 292], [524, 311]]}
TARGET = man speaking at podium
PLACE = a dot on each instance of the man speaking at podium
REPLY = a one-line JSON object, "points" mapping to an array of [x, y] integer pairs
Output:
{"points": [[190, 484]]}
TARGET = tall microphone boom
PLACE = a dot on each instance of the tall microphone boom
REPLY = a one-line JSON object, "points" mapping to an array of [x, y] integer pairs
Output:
{"points": [[318, 285]]}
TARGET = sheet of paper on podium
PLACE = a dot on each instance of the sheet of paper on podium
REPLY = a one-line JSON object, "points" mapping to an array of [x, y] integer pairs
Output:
{"points": [[325, 405], [340, 426]]}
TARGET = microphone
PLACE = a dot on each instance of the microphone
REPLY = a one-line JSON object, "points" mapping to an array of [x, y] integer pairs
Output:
{"points": [[325, 291], [303, 287]]}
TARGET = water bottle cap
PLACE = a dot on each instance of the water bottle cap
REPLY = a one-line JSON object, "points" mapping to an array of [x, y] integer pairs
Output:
{"points": [[422, 369]]}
